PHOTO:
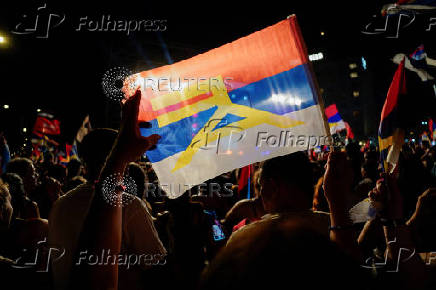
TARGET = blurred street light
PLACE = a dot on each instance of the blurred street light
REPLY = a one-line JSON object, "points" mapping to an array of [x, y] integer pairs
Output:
{"points": [[6, 107]]}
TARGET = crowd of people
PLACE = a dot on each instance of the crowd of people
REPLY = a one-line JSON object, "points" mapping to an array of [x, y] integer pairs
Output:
{"points": [[58, 232]]}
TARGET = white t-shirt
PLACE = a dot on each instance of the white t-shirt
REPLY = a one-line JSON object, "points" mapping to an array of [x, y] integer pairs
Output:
{"points": [[139, 235]]}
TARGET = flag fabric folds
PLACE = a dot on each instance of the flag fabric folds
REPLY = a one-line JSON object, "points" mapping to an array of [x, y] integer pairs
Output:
{"points": [[45, 124], [418, 57], [432, 129], [231, 106], [391, 133], [244, 182]]}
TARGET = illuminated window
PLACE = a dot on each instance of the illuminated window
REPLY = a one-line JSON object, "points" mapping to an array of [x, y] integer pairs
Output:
{"points": [[316, 56], [355, 94], [352, 65], [353, 75]]}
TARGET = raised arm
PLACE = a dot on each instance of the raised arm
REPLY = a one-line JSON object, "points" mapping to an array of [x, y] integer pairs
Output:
{"points": [[102, 227]]}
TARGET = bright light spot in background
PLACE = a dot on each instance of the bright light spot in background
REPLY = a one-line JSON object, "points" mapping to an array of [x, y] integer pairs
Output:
{"points": [[2, 39], [38, 110], [229, 152], [363, 63], [5, 106], [356, 93], [241, 152], [322, 33], [24, 130], [352, 65], [353, 75], [316, 56]]}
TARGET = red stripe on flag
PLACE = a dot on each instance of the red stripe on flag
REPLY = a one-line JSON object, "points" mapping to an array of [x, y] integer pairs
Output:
{"points": [[398, 86], [331, 110], [260, 55], [180, 105]]}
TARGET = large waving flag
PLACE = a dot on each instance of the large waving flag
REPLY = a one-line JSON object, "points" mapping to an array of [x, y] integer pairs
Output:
{"points": [[390, 132], [231, 107]]}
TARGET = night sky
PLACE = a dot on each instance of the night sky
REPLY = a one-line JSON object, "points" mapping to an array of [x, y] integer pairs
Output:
{"points": [[63, 73]]}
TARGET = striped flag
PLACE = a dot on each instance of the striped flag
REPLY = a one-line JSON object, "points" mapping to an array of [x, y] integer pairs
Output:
{"points": [[334, 119], [228, 107], [432, 128], [390, 133]]}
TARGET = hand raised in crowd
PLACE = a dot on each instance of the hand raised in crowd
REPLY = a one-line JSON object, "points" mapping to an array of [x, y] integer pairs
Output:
{"points": [[105, 220], [386, 197], [338, 180], [130, 145], [424, 206]]}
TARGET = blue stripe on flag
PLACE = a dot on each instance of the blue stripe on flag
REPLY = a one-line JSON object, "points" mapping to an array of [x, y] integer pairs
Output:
{"points": [[176, 136], [335, 118], [294, 83]]}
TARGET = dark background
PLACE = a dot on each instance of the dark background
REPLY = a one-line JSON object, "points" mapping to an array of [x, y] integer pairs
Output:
{"points": [[62, 74]]}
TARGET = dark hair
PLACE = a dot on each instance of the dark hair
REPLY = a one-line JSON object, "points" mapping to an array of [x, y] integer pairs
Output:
{"points": [[58, 172], [94, 149], [294, 169], [73, 168], [19, 165], [16, 189]]}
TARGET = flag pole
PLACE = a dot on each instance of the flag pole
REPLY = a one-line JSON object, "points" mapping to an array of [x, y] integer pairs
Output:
{"points": [[314, 82]]}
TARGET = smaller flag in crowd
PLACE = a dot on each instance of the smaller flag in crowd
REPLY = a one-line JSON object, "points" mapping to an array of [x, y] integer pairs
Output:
{"points": [[418, 57], [70, 153], [46, 124], [432, 128], [245, 179], [336, 123]]}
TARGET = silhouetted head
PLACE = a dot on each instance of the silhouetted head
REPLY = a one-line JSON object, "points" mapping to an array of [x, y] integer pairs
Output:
{"points": [[287, 183], [6, 209], [26, 170], [74, 168], [278, 253], [94, 149]]}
